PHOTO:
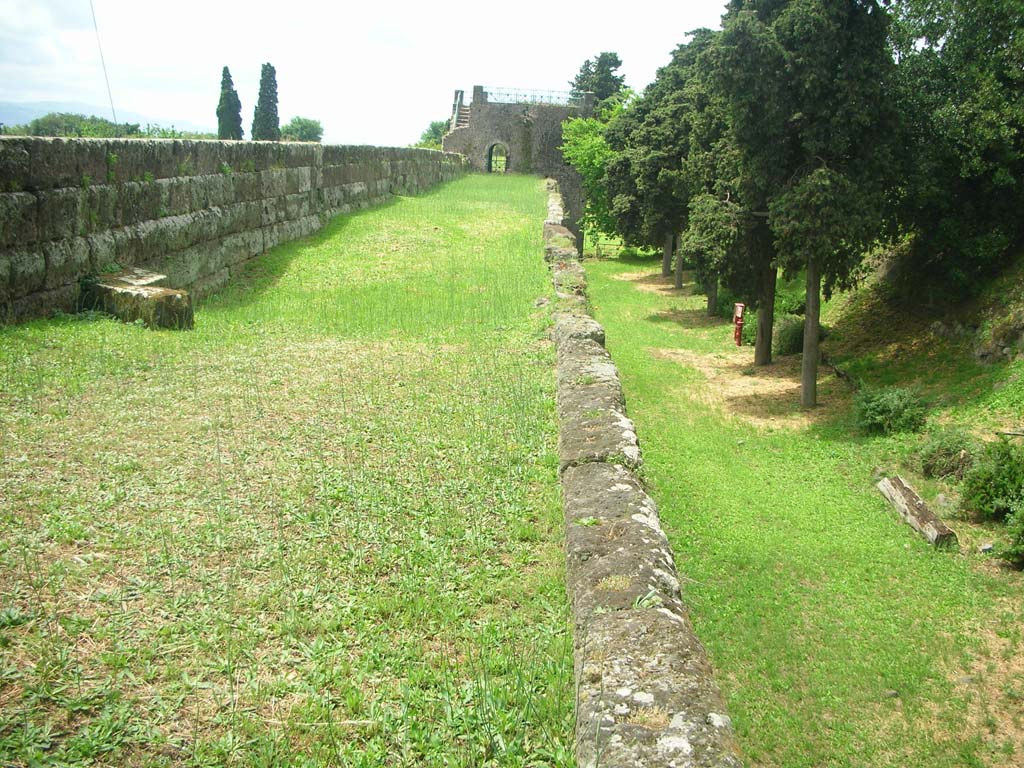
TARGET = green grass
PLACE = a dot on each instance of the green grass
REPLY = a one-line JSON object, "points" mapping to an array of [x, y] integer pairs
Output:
{"points": [[321, 529], [839, 637]]}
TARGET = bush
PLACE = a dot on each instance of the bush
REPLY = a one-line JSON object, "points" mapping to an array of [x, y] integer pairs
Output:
{"points": [[789, 335], [995, 482], [1015, 527], [889, 409], [949, 452]]}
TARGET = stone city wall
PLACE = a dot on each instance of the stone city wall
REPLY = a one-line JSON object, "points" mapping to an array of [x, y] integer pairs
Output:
{"points": [[195, 211], [646, 695]]}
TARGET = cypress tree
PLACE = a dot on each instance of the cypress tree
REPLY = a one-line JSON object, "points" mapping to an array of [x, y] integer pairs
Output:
{"points": [[229, 110], [265, 122]]}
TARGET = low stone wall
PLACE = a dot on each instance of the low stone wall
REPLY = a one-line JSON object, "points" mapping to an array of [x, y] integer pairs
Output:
{"points": [[646, 695], [195, 211]]}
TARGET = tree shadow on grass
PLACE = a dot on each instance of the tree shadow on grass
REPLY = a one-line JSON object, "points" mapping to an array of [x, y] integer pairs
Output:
{"points": [[687, 318], [262, 273]]}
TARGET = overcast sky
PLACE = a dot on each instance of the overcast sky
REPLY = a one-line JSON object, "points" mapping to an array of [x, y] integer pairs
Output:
{"points": [[371, 72]]}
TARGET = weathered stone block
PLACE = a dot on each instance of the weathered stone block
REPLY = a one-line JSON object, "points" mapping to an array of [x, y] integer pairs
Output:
{"points": [[14, 164], [57, 213], [647, 695], [17, 219], [98, 208], [102, 253], [273, 182], [138, 201], [134, 296], [67, 261], [617, 556], [569, 328]]}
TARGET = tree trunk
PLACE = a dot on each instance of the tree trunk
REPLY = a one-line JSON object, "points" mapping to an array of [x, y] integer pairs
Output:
{"points": [[809, 366], [765, 316], [679, 262], [712, 291], [666, 256]]}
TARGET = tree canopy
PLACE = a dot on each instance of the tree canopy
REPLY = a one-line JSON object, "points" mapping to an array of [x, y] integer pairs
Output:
{"points": [[229, 109], [805, 132], [431, 137], [302, 129], [598, 76]]}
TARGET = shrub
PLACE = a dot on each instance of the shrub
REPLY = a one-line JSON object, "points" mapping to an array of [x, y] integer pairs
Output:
{"points": [[789, 335], [949, 452], [1015, 527], [889, 409], [995, 481]]}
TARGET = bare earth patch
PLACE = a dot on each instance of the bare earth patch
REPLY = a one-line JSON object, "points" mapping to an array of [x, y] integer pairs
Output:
{"points": [[653, 282], [765, 396]]}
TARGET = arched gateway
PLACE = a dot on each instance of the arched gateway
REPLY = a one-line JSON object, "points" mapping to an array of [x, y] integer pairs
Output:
{"points": [[516, 131]]}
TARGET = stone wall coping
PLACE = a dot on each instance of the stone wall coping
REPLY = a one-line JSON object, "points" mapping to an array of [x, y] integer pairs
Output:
{"points": [[646, 696]]}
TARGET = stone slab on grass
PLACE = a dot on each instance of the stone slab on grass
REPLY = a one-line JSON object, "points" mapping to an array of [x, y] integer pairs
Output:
{"points": [[136, 295]]}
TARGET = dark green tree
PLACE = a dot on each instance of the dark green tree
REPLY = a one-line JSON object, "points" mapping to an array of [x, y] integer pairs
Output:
{"points": [[229, 109], [960, 92], [598, 76], [805, 84], [265, 122], [302, 129], [648, 185]]}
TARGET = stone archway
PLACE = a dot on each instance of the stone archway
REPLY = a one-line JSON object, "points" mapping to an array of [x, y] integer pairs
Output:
{"points": [[498, 158]]}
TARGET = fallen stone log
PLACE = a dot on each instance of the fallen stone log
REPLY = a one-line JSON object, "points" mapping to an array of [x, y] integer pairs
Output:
{"points": [[136, 295], [915, 512]]}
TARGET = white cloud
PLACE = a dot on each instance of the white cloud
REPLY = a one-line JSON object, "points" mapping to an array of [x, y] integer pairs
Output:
{"points": [[371, 73]]}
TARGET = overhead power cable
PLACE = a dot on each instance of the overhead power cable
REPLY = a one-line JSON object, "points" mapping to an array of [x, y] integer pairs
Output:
{"points": [[103, 62]]}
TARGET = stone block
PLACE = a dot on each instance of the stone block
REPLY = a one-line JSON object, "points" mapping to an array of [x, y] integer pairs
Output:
{"points": [[67, 261], [14, 164], [569, 328], [240, 247], [273, 182], [17, 219], [617, 556], [247, 186], [57, 214], [102, 253], [298, 180], [138, 201], [646, 695], [98, 210], [131, 297]]}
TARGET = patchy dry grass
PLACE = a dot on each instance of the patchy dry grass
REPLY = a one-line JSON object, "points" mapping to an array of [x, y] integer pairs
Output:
{"points": [[321, 529]]}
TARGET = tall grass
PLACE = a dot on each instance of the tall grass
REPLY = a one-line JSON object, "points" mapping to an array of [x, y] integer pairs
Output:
{"points": [[321, 529]]}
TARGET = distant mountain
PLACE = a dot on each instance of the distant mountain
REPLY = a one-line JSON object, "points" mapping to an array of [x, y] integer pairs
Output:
{"points": [[21, 112]]}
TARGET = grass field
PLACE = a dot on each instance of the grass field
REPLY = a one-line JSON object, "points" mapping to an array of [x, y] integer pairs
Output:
{"points": [[321, 529], [838, 636]]}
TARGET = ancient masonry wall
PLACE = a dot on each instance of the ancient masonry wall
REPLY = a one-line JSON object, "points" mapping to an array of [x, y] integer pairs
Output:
{"points": [[193, 210], [532, 134], [646, 694]]}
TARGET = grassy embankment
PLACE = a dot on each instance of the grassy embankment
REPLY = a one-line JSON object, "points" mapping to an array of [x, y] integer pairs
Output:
{"points": [[321, 529], [839, 637]]}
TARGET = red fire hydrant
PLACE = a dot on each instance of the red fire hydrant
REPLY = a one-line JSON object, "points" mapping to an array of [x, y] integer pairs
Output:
{"points": [[737, 321]]}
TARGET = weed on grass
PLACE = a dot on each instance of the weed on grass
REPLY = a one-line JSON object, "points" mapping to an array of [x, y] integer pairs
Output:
{"points": [[321, 529]]}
